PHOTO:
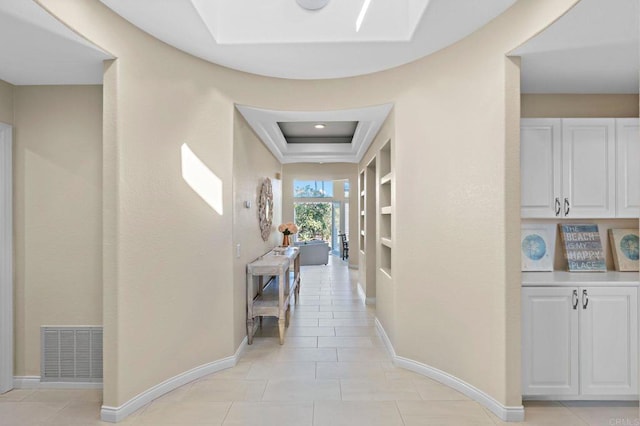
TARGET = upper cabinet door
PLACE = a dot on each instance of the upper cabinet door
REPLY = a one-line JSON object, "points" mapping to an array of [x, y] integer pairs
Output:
{"points": [[540, 167], [589, 161], [628, 167]]}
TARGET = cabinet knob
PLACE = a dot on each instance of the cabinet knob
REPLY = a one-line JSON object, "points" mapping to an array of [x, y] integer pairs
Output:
{"points": [[585, 299], [557, 206], [574, 299], [567, 207]]}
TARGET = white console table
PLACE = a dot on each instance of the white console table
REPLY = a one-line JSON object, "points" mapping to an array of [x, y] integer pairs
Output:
{"points": [[272, 299]]}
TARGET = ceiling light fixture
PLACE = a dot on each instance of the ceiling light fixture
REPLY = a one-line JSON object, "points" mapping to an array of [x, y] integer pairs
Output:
{"points": [[320, 126], [363, 11], [312, 4]]}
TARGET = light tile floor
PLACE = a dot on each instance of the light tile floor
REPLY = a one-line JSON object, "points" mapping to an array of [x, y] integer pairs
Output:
{"points": [[332, 370]]}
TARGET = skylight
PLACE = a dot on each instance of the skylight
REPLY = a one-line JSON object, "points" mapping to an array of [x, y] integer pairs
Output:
{"points": [[283, 21]]}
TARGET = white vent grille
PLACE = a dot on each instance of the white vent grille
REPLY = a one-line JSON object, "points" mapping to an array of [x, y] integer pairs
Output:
{"points": [[71, 354]]}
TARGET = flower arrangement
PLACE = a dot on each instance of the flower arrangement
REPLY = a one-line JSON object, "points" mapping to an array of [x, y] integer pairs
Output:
{"points": [[287, 229]]}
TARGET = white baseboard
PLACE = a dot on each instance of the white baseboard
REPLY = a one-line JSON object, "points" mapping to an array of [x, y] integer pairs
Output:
{"points": [[366, 300], [385, 339], [116, 414], [33, 382], [505, 413], [361, 294]]}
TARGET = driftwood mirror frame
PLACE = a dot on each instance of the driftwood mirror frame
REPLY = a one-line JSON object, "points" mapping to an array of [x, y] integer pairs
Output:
{"points": [[265, 209]]}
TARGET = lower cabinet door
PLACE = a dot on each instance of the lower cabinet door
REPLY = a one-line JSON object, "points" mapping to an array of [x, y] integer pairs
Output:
{"points": [[550, 341], [609, 341]]}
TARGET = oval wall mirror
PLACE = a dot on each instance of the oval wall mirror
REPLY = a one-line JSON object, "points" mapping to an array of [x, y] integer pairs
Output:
{"points": [[265, 209]]}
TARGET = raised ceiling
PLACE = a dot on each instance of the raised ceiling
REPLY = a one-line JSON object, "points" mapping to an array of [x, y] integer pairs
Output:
{"points": [[268, 125], [279, 38], [318, 132]]}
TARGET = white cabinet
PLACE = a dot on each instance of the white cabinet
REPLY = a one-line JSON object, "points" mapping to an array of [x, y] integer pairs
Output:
{"points": [[580, 342], [609, 341], [628, 167], [549, 341], [540, 167], [588, 167], [569, 168]]}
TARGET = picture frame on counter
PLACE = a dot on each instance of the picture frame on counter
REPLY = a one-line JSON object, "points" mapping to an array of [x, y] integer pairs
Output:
{"points": [[582, 247], [537, 247], [624, 248]]}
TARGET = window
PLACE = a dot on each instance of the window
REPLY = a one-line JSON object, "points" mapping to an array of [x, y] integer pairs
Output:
{"points": [[312, 189], [346, 189]]}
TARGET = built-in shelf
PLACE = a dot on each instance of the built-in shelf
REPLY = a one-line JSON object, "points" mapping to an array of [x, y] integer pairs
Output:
{"points": [[362, 192], [362, 233], [386, 178], [362, 213], [386, 271], [385, 204]]}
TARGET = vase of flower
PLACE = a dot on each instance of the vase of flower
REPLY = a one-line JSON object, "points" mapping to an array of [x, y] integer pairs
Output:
{"points": [[287, 229]]}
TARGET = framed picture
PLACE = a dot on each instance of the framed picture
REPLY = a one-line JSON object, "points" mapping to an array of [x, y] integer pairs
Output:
{"points": [[624, 248], [582, 247], [537, 247]]}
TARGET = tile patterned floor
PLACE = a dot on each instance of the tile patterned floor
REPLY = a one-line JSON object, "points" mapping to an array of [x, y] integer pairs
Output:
{"points": [[332, 370]]}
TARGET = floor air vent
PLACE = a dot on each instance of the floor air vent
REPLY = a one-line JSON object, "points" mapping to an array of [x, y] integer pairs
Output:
{"points": [[71, 354]]}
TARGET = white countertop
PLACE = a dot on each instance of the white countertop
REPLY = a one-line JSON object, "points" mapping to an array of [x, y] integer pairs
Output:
{"points": [[583, 279]]}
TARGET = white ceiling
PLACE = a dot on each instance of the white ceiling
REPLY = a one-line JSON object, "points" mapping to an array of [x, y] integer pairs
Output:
{"points": [[278, 38], [592, 49], [38, 49]]}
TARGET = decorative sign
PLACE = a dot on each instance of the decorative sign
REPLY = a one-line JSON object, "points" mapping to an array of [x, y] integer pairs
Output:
{"points": [[624, 245], [582, 248]]}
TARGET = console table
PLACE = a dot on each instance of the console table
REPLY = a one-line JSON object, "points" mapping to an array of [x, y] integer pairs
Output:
{"points": [[273, 298]]}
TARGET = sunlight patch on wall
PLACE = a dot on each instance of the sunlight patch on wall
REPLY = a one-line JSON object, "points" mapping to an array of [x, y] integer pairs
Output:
{"points": [[201, 179]]}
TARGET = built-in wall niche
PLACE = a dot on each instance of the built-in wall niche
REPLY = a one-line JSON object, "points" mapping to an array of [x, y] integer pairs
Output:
{"points": [[559, 262], [385, 184], [363, 206], [385, 259]]}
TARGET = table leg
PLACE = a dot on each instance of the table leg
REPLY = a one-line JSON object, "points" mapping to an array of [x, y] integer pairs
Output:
{"points": [[250, 330], [281, 329]]}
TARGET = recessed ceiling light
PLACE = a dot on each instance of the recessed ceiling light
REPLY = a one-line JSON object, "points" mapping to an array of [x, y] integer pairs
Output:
{"points": [[320, 126], [312, 4]]}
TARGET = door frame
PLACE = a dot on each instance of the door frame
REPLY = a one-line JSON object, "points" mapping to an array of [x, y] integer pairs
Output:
{"points": [[6, 258]]}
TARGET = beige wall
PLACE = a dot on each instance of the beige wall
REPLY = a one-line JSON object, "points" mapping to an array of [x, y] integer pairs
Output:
{"points": [[171, 274], [326, 171], [6, 102], [565, 105], [57, 213], [252, 163]]}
